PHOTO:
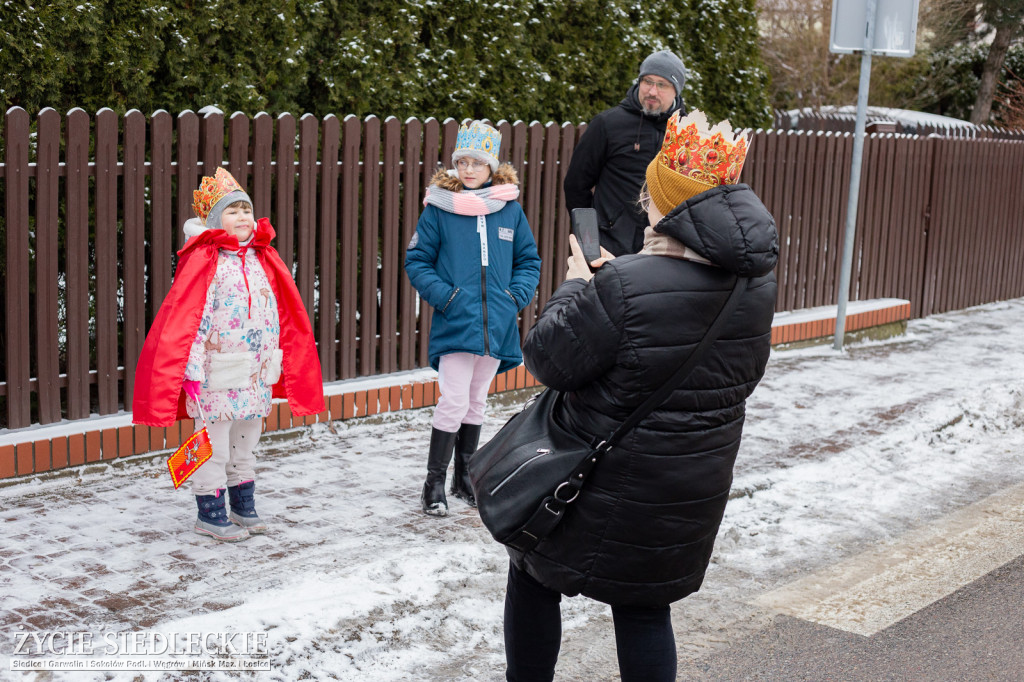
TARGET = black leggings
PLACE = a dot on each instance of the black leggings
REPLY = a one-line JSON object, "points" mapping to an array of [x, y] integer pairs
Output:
{"points": [[644, 640]]}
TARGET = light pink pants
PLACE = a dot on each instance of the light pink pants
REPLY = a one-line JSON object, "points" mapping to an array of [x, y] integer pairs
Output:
{"points": [[233, 461], [463, 379]]}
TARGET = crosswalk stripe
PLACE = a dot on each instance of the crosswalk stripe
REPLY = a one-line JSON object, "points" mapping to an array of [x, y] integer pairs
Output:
{"points": [[873, 590]]}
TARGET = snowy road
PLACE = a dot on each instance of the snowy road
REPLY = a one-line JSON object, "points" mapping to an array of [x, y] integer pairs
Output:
{"points": [[842, 452]]}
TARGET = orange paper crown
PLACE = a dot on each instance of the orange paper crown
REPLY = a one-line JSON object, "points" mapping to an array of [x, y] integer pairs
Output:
{"points": [[212, 190], [698, 158]]}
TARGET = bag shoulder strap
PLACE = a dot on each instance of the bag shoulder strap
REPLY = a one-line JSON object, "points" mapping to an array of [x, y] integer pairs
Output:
{"points": [[684, 369]]}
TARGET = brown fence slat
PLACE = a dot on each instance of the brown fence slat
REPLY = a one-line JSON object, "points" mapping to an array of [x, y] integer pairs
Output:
{"points": [[47, 256], [431, 150], [390, 267], [839, 228], [992, 282], [870, 228], [76, 290], [958, 268], [982, 225], [996, 282], [327, 260], [134, 266], [876, 234], [962, 266], [945, 273], [1013, 252], [771, 200], [532, 183], [901, 221], [407, 308], [284, 196], [567, 141], [162, 229], [993, 285], [188, 170], [369, 279], [16, 281], [211, 142], [309, 134], [262, 179], [504, 129], [238, 150], [983, 258], [788, 237], [963, 239], [1015, 210], [933, 218], [347, 282], [818, 225], [808, 235], [105, 260], [550, 269], [449, 134], [896, 199], [795, 192], [868, 216], [517, 150], [923, 163]]}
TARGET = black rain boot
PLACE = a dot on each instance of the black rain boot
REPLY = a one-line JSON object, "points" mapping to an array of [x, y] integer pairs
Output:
{"points": [[433, 500], [465, 446]]}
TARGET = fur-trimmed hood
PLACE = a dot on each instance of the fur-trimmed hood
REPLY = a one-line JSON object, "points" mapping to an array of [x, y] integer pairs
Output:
{"points": [[449, 179]]}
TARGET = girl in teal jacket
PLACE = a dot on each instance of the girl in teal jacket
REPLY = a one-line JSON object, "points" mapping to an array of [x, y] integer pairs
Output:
{"points": [[474, 260]]}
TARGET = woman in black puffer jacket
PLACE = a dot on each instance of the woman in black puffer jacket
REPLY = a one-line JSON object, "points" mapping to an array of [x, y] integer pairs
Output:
{"points": [[641, 533]]}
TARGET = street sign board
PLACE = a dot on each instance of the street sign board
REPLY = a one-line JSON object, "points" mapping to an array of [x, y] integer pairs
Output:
{"points": [[895, 27]]}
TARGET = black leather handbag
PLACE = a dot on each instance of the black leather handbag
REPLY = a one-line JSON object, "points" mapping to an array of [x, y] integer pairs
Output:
{"points": [[531, 471]]}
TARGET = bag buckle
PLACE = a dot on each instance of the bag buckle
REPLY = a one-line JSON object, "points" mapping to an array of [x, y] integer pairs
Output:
{"points": [[571, 499]]}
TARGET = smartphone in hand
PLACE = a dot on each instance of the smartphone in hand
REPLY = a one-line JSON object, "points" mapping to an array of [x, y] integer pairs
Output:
{"points": [[584, 226]]}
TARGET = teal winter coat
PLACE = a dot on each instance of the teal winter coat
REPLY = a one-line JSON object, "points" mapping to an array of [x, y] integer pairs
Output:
{"points": [[476, 283]]}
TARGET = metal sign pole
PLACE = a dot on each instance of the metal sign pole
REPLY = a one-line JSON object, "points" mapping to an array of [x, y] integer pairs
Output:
{"points": [[855, 167]]}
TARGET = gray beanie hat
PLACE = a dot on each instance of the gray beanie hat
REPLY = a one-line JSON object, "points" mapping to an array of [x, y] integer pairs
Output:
{"points": [[213, 219], [666, 65]]}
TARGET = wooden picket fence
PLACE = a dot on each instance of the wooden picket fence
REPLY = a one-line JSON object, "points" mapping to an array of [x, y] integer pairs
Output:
{"points": [[92, 208]]}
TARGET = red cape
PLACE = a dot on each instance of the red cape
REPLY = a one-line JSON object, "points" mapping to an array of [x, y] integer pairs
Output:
{"points": [[159, 399]]}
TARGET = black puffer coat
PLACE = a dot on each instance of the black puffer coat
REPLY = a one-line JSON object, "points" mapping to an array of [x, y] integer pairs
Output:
{"points": [[642, 531]]}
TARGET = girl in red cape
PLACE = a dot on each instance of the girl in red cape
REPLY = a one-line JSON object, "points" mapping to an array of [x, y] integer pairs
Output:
{"points": [[231, 335]]}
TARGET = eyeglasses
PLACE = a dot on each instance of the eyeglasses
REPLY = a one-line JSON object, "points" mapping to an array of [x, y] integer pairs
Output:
{"points": [[661, 85], [463, 164]]}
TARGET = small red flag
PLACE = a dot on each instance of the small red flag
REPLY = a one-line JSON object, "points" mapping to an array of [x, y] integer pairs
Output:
{"points": [[189, 457]]}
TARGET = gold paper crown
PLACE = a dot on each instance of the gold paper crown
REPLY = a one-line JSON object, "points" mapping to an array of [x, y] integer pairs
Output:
{"points": [[212, 190], [478, 137], [693, 159]]}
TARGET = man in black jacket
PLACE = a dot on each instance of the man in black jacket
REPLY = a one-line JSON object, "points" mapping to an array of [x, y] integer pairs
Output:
{"points": [[608, 165]]}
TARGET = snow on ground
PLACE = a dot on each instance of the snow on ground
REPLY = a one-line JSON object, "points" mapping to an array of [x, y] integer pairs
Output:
{"points": [[841, 451]]}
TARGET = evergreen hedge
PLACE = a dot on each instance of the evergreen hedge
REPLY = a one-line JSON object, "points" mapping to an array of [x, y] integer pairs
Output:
{"points": [[560, 60]]}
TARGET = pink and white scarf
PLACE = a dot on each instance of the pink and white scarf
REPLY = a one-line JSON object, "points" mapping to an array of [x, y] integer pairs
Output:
{"points": [[476, 202]]}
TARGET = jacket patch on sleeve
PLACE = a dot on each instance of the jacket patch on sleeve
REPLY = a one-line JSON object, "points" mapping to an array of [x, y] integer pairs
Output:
{"points": [[506, 234], [413, 242]]}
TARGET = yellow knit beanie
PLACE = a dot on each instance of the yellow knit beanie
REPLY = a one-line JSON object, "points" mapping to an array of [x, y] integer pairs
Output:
{"points": [[694, 159]]}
